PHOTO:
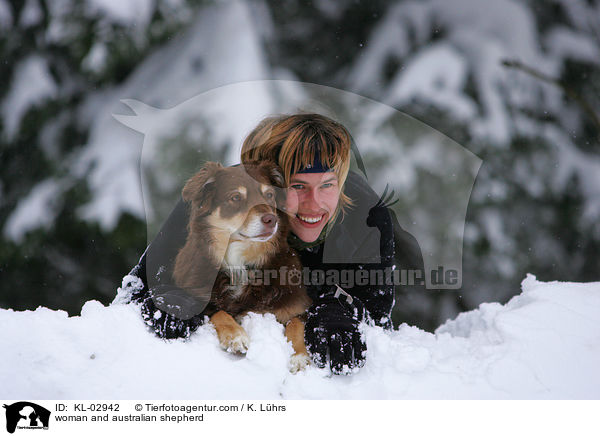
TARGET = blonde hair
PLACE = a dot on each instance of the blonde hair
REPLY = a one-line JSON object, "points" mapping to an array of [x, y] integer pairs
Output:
{"points": [[293, 142]]}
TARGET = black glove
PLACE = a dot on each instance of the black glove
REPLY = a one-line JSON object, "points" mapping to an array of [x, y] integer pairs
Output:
{"points": [[332, 335], [164, 324], [168, 310]]}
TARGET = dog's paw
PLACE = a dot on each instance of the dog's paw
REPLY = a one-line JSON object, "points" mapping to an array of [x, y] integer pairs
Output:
{"points": [[298, 362], [236, 342]]}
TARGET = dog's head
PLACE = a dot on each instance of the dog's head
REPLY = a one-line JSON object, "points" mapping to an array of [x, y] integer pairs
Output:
{"points": [[242, 201]]}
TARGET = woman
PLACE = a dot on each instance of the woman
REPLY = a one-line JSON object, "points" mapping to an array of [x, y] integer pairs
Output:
{"points": [[338, 225]]}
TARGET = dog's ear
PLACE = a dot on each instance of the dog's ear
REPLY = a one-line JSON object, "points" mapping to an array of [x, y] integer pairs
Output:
{"points": [[277, 180], [275, 175], [200, 188]]}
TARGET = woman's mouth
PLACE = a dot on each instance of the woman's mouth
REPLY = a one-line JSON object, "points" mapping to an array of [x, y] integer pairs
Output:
{"points": [[310, 220]]}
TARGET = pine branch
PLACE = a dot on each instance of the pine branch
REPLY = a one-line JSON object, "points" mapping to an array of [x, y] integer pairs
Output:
{"points": [[570, 92]]}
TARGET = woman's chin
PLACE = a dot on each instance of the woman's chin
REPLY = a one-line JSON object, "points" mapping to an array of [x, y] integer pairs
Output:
{"points": [[305, 232]]}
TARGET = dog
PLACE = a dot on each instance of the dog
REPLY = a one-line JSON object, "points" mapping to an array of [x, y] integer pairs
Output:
{"points": [[236, 228]]}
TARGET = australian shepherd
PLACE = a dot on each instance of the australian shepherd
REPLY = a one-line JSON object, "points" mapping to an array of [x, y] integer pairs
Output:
{"points": [[237, 230]]}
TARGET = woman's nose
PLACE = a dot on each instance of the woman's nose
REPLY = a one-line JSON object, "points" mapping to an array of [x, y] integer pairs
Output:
{"points": [[312, 197]]}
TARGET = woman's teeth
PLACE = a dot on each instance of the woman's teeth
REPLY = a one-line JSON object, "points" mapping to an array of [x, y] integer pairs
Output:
{"points": [[310, 220]]}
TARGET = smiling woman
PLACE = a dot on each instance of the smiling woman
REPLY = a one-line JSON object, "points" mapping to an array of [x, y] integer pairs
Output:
{"points": [[313, 152]]}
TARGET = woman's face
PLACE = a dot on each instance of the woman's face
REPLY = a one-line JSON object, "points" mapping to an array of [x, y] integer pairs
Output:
{"points": [[311, 201]]}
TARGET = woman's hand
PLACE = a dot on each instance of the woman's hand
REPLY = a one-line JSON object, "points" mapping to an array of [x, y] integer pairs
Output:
{"points": [[332, 332], [164, 324]]}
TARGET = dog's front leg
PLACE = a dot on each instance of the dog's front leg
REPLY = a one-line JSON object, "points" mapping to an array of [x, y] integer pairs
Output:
{"points": [[232, 336], [294, 331]]}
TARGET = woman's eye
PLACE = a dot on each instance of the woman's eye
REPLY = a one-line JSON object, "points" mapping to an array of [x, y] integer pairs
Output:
{"points": [[327, 185], [297, 186]]}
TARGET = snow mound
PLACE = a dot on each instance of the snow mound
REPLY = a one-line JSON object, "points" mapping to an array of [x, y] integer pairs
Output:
{"points": [[543, 344]]}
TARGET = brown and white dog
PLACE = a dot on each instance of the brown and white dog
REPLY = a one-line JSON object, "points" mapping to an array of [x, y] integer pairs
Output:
{"points": [[235, 226]]}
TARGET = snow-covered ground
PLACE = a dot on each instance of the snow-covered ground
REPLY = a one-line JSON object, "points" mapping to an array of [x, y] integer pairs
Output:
{"points": [[542, 344]]}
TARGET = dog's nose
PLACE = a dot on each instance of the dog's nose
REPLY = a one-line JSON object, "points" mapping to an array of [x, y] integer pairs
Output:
{"points": [[269, 220]]}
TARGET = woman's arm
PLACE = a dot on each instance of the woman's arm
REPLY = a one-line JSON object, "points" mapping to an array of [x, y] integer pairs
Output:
{"points": [[363, 243], [167, 309]]}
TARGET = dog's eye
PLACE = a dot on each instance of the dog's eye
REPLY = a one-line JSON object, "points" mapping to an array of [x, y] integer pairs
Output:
{"points": [[269, 195], [236, 197]]}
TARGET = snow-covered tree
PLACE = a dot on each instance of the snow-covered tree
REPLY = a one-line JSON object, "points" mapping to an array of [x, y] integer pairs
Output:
{"points": [[514, 82], [61, 61]]}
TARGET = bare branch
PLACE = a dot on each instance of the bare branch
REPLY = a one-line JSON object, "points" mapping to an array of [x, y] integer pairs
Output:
{"points": [[572, 94]]}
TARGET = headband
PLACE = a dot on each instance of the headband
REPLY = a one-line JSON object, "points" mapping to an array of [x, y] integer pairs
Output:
{"points": [[316, 166]]}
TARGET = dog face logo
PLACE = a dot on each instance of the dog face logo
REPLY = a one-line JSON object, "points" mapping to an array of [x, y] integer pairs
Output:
{"points": [[26, 415], [431, 174]]}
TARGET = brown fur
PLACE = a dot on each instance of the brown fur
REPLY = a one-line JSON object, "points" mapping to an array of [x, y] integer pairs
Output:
{"points": [[231, 335], [294, 331], [224, 203]]}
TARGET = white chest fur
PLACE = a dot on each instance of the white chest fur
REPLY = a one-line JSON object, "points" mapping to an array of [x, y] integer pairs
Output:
{"points": [[234, 255], [235, 264]]}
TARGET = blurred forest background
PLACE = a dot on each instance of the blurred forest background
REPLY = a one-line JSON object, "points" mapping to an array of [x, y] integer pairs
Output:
{"points": [[515, 82]]}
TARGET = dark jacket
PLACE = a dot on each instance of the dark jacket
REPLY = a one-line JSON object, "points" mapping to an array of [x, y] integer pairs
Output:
{"points": [[367, 238]]}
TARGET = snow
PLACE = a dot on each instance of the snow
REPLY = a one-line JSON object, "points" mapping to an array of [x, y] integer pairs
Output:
{"points": [[565, 43], [542, 344], [477, 36], [32, 14], [586, 166], [32, 85], [96, 59], [5, 15], [441, 87], [131, 12], [37, 209]]}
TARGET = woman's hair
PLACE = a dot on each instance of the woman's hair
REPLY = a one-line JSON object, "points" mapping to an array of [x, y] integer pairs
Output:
{"points": [[294, 141]]}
